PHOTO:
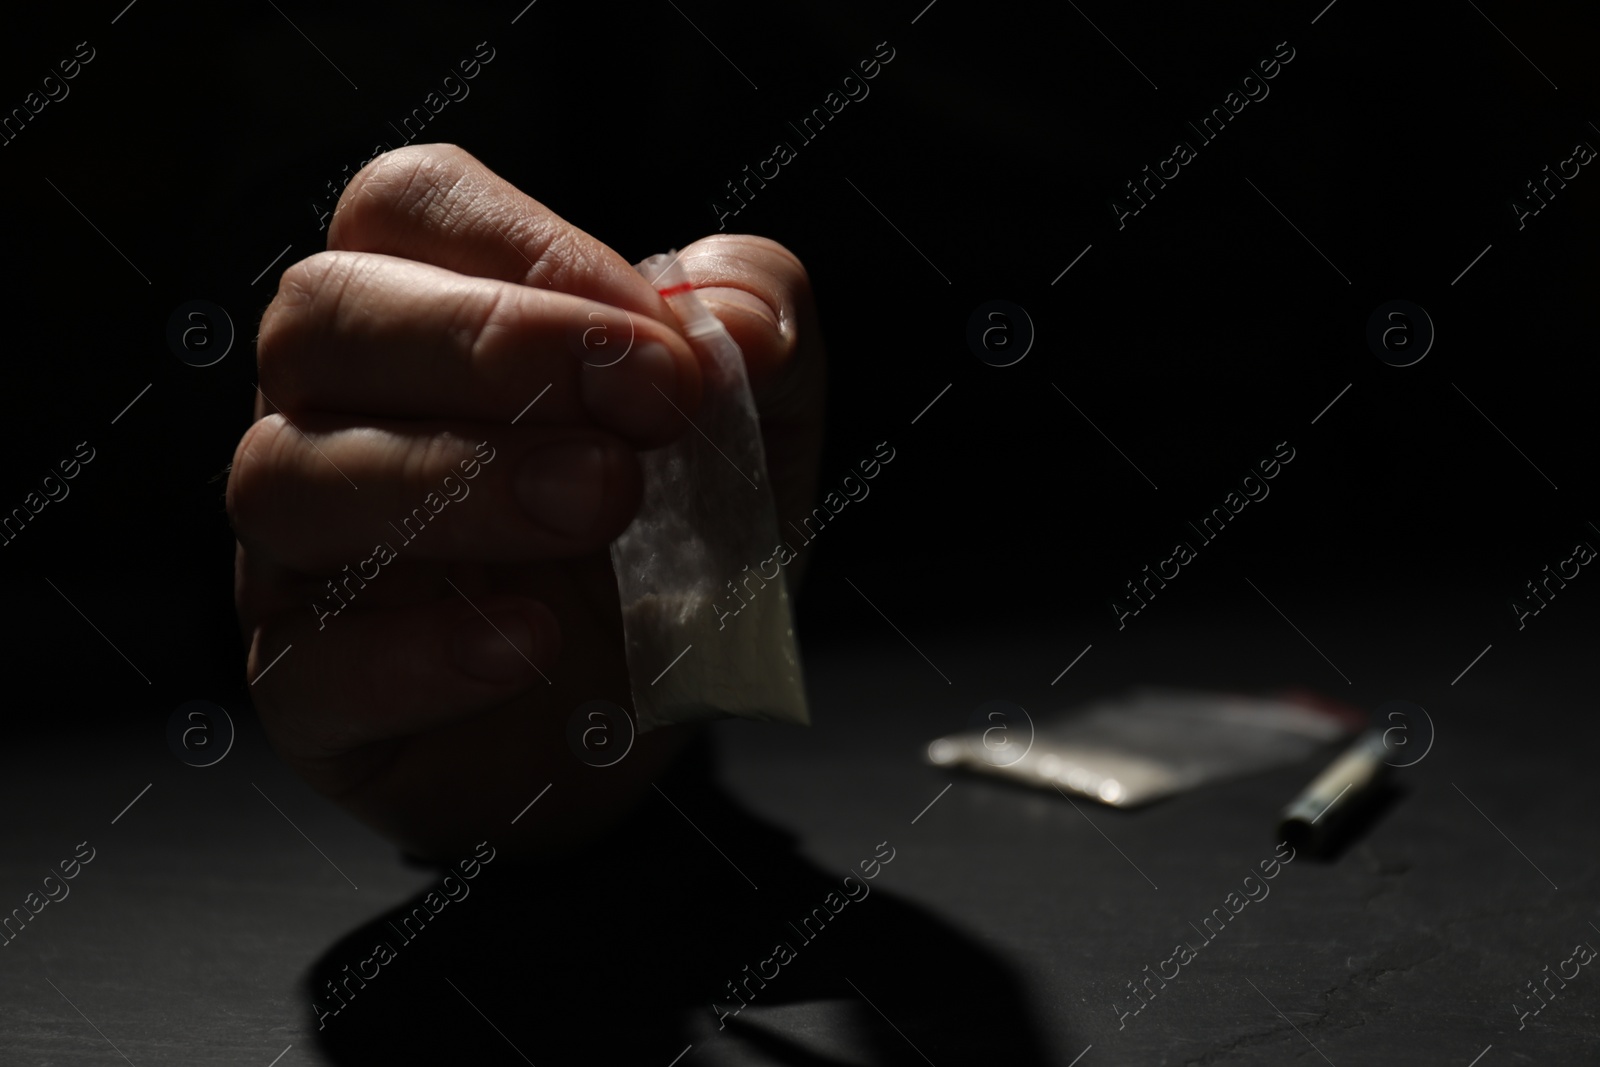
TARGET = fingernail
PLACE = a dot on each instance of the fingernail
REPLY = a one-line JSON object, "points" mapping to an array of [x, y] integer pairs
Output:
{"points": [[562, 487], [630, 395], [500, 650]]}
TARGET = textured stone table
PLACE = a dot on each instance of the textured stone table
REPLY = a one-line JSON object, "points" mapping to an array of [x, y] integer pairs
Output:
{"points": [[1005, 928]]}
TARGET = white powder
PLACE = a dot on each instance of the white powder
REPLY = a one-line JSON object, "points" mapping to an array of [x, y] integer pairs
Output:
{"points": [[746, 664], [699, 521]]}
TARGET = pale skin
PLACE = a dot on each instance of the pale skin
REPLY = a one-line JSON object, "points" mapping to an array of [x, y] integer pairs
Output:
{"points": [[446, 301]]}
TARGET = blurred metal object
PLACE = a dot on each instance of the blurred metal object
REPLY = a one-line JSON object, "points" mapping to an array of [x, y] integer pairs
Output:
{"points": [[1314, 818]]}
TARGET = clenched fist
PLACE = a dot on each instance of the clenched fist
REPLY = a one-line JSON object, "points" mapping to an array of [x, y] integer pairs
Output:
{"points": [[446, 442]]}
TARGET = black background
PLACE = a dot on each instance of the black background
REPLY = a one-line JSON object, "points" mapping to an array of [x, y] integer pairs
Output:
{"points": [[1196, 338]]}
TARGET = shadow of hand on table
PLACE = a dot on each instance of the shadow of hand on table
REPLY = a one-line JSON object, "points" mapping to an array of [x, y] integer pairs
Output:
{"points": [[645, 945]]}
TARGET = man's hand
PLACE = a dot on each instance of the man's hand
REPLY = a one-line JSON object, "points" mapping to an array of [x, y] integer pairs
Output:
{"points": [[441, 574]]}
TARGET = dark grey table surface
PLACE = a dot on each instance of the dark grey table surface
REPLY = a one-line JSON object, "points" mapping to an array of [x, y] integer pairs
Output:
{"points": [[1005, 929]]}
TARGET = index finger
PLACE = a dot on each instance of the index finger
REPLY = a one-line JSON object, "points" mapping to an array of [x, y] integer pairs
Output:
{"points": [[439, 204]]}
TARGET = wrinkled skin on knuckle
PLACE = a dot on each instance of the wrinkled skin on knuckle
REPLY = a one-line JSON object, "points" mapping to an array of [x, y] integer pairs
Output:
{"points": [[254, 464], [402, 181], [308, 295]]}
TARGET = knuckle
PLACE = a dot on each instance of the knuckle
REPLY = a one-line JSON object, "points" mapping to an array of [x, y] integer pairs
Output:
{"points": [[489, 322], [418, 463], [308, 298], [425, 468], [556, 258], [283, 323], [257, 464], [401, 182]]}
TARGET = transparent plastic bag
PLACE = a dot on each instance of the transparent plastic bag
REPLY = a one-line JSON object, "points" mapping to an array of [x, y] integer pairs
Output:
{"points": [[1150, 744], [708, 634]]}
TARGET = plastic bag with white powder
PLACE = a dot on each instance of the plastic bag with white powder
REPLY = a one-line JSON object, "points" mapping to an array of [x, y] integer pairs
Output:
{"points": [[707, 636]]}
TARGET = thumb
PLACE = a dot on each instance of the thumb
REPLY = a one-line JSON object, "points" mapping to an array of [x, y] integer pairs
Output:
{"points": [[762, 294]]}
